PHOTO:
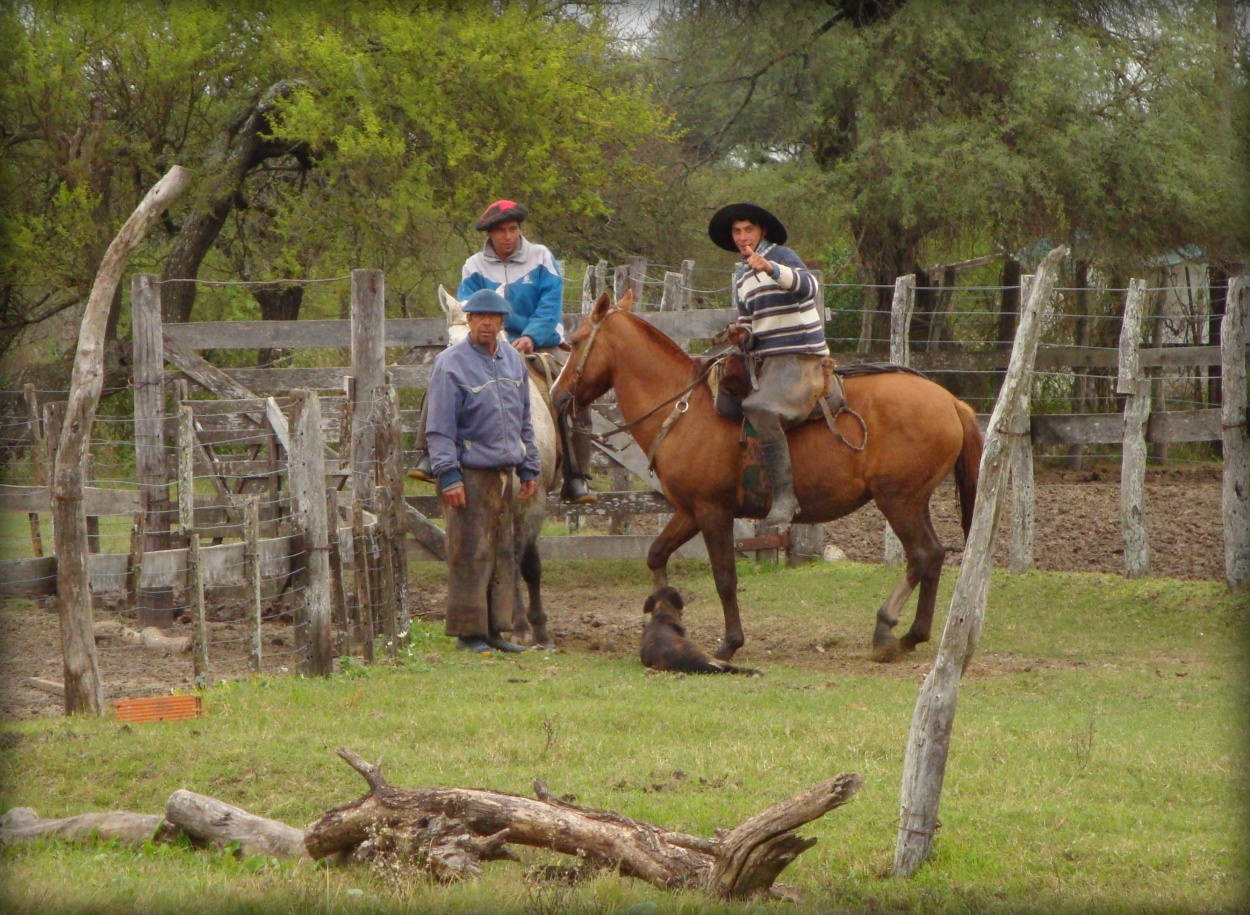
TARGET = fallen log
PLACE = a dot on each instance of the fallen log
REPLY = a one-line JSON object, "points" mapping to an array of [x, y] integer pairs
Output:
{"points": [[23, 823], [213, 822], [46, 686], [149, 637], [742, 862]]}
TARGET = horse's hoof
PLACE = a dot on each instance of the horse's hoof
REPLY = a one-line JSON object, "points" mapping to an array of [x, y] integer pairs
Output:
{"points": [[885, 652], [724, 651]]}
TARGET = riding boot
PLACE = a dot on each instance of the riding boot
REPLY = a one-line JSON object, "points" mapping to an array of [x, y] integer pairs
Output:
{"points": [[576, 488], [424, 469], [781, 475]]}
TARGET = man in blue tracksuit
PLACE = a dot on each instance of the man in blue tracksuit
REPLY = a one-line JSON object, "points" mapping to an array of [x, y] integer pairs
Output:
{"points": [[479, 434]]}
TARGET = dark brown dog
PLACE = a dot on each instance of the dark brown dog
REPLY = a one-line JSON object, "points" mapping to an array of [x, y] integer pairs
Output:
{"points": [[664, 642]]}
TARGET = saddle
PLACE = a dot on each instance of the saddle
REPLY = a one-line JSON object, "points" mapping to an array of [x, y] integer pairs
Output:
{"points": [[733, 378]]}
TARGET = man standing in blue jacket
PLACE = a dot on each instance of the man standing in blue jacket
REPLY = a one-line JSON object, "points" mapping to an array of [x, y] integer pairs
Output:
{"points": [[527, 276], [479, 435]]}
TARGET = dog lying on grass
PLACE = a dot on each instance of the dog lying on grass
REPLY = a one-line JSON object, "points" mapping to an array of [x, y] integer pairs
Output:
{"points": [[664, 642]]}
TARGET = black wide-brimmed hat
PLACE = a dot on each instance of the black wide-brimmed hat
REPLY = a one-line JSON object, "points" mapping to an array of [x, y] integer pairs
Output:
{"points": [[501, 211], [720, 229]]}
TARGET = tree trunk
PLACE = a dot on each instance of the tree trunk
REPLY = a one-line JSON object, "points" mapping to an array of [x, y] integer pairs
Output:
{"points": [[277, 303], [236, 151]]}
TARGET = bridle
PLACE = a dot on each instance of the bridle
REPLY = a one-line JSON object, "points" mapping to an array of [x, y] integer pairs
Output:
{"points": [[679, 408]]}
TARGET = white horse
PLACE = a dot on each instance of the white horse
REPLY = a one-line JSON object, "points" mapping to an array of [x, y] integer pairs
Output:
{"points": [[527, 514]]}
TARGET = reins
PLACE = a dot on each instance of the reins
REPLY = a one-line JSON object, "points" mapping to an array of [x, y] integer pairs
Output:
{"points": [[679, 408]]}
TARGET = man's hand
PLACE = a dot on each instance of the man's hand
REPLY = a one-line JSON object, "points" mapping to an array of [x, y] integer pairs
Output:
{"points": [[523, 345], [736, 334], [454, 497], [528, 488], [758, 262]]}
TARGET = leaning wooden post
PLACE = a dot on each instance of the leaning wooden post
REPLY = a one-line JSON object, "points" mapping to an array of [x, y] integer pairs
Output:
{"points": [[195, 585], [397, 525], [308, 477], [37, 458], [1236, 443], [1132, 381], [900, 334], [151, 466], [251, 575], [84, 691], [928, 744], [1020, 558], [338, 601], [369, 372]]}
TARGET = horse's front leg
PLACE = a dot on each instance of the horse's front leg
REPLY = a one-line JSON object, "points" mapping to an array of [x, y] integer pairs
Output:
{"points": [[718, 534], [680, 528]]}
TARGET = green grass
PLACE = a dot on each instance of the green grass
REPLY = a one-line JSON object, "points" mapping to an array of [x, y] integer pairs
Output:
{"points": [[1097, 760]]}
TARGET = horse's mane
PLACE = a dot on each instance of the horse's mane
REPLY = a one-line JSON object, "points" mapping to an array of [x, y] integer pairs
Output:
{"points": [[659, 337]]}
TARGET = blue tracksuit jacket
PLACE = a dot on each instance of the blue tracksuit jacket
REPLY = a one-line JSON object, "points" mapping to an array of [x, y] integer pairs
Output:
{"points": [[530, 281]]}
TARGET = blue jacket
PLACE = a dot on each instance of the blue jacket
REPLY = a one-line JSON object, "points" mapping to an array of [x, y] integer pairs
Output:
{"points": [[530, 281], [479, 414]]}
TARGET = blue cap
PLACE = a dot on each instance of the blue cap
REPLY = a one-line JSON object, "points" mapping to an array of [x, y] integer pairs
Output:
{"points": [[488, 301]]}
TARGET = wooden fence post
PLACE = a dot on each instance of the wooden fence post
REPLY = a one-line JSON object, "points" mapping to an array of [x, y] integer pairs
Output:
{"points": [[671, 298], [687, 285], [134, 561], [1020, 472], [364, 633], [151, 465], [338, 601], [37, 459], [620, 282], [93, 521], [1132, 381], [308, 477], [637, 278], [369, 372], [395, 542], [928, 743], [251, 574], [588, 290], [186, 471], [195, 585], [1236, 444], [900, 336]]}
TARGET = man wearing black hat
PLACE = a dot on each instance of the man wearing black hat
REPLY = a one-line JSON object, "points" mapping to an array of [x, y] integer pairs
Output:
{"points": [[527, 276], [481, 441], [778, 323]]}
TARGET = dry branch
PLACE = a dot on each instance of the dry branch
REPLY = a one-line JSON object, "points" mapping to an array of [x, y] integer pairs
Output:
{"points": [[22, 823], [744, 861], [218, 823]]}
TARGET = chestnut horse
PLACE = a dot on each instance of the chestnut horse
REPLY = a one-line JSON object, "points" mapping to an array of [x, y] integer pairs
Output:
{"points": [[917, 433]]}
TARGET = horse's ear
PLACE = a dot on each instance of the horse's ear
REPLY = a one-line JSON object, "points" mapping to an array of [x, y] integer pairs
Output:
{"points": [[445, 300], [600, 309], [651, 602], [626, 302]]}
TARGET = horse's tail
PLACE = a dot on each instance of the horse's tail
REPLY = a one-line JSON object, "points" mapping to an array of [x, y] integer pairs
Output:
{"points": [[968, 464]]}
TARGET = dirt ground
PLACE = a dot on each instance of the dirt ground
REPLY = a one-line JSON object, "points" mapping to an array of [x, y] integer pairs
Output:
{"points": [[1077, 528]]}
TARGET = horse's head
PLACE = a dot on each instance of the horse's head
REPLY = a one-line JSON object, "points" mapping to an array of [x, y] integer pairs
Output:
{"points": [[587, 374], [457, 323]]}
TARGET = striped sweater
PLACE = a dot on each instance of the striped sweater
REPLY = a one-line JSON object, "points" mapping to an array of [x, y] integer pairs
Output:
{"points": [[781, 310]]}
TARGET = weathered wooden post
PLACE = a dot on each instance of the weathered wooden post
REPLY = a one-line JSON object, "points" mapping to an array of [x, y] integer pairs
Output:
{"points": [[308, 477], [338, 600], [1236, 443], [186, 471], [900, 354], [84, 691], [364, 633], [687, 285], [134, 559], [1020, 472], [928, 743], [369, 374], [37, 459], [620, 282], [671, 298], [1131, 380], [251, 575], [637, 278], [195, 587], [151, 467], [588, 290]]}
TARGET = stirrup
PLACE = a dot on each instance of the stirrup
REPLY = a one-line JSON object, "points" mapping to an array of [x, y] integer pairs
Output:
{"points": [[424, 471]]}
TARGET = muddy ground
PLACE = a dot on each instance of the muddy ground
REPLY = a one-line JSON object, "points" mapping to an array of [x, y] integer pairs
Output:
{"points": [[1077, 528]]}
